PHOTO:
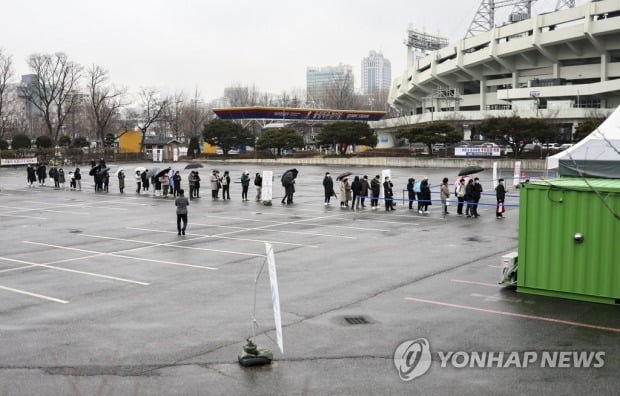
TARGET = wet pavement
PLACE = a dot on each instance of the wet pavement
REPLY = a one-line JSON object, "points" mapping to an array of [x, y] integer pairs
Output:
{"points": [[99, 295]]}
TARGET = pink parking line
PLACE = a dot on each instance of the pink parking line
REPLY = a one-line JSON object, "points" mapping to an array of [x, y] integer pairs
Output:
{"points": [[476, 283], [535, 317]]}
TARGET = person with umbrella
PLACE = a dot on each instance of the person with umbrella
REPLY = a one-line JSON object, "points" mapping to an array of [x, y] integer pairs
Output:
{"points": [[181, 203], [469, 198], [288, 182], [500, 194], [345, 192], [328, 188]]}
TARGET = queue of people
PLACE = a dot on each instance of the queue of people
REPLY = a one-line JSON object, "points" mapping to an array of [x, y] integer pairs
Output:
{"points": [[353, 196]]}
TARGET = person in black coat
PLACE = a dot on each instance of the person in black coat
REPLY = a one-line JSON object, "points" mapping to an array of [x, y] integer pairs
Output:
{"points": [[31, 175], [388, 194], [356, 189], [477, 195], [145, 180], [424, 196], [500, 194], [328, 187], [375, 188], [469, 198], [410, 191]]}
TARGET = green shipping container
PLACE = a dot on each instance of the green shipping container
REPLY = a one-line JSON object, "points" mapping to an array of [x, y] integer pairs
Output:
{"points": [[569, 239]]}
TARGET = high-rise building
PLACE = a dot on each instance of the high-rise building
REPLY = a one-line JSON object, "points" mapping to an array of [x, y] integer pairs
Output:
{"points": [[320, 81], [376, 73]]}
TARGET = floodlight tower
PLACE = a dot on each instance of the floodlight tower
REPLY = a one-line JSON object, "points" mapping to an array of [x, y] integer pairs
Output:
{"points": [[564, 4], [484, 20]]}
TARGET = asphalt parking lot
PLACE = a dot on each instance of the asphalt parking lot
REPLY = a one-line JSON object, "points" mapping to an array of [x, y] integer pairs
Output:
{"points": [[100, 296]]}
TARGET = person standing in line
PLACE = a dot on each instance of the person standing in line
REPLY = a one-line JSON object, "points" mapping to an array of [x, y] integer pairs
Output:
{"points": [[105, 179], [375, 187], [364, 191], [444, 194], [145, 180], [190, 182], [214, 185], [181, 203], [424, 196], [477, 195], [258, 182], [469, 198], [245, 185], [121, 181], [171, 186], [226, 186], [343, 192], [30, 175], [388, 194], [78, 179], [459, 191], [165, 184], [328, 188], [410, 192], [500, 195], [177, 182], [139, 180], [356, 189], [41, 174], [55, 175], [61, 178], [196, 184]]}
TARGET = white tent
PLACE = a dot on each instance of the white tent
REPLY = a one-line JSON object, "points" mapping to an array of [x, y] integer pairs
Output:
{"points": [[597, 155]]}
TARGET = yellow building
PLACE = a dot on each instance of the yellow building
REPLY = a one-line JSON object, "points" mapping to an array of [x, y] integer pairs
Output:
{"points": [[129, 142]]}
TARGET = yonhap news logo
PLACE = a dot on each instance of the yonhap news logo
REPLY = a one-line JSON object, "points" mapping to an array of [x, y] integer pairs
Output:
{"points": [[413, 358]]}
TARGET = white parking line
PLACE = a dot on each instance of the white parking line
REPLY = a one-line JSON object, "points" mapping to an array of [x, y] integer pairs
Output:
{"points": [[75, 271], [303, 222], [121, 256], [25, 217], [34, 295], [220, 236], [178, 247], [273, 225]]}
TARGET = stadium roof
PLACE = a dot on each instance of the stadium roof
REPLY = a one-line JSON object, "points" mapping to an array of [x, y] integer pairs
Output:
{"points": [[295, 114]]}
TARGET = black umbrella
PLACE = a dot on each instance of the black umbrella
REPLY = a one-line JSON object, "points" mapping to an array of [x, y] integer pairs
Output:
{"points": [[289, 176], [470, 170], [152, 172], [343, 175], [94, 170], [193, 165], [163, 171], [101, 171]]}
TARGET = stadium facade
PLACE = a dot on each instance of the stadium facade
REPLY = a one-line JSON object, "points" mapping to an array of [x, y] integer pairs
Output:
{"points": [[562, 65]]}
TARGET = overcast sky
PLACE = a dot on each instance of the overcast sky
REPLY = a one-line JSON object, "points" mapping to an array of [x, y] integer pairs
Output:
{"points": [[183, 44]]}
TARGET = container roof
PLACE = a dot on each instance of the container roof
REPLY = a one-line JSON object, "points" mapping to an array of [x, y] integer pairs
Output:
{"points": [[577, 183]]}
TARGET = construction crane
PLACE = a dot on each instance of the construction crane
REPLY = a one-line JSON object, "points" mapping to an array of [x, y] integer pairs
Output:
{"points": [[484, 20]]}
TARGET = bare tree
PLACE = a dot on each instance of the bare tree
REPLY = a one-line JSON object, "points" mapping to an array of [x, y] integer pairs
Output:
{"points": [[54, 92], [339, 93], [153, 109], [195, 115], [174, 113], [105, 101], [6, 73]]}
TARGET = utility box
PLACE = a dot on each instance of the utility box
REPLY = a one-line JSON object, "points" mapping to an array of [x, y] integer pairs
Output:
{"points": [[569, 239]]}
